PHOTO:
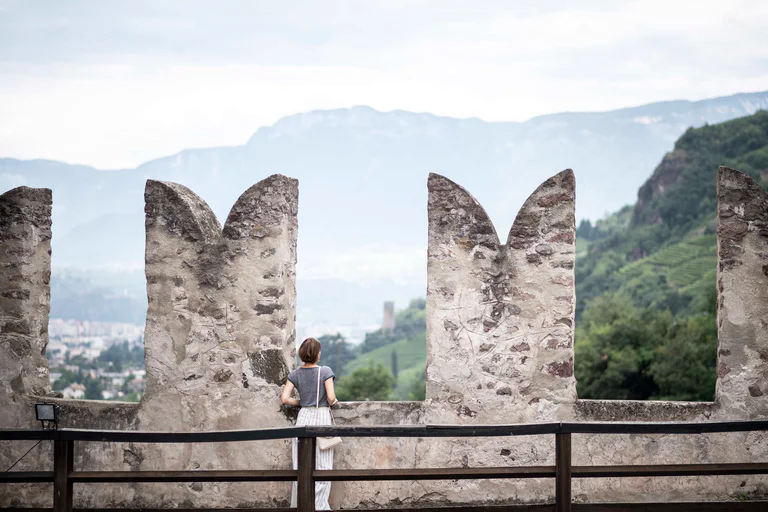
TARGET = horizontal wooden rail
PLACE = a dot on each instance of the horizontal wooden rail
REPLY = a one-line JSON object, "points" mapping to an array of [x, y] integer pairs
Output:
{"points": [[64, 476], [136, 436], [221, 436], [676, 427], [279, 475], [669, 470], [26, 477], [540, 472], [27, 434], [437, 430], [340, 475]]}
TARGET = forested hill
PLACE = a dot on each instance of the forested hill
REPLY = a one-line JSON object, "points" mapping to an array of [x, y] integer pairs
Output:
{"points": [[645, 276], [388, 364]]}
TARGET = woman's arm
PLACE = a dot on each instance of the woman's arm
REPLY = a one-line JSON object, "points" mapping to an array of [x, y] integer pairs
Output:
{"points": [[330, 393], [285, 396]]}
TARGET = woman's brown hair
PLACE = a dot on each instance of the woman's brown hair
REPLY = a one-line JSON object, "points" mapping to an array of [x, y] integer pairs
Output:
{"points": [[309, 351]]}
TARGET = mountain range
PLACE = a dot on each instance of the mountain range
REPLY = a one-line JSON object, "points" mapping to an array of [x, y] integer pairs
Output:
{"points": [[362, 173]]}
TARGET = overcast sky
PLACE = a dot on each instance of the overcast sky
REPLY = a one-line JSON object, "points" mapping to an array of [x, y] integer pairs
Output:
{"points": [[113, 84]]}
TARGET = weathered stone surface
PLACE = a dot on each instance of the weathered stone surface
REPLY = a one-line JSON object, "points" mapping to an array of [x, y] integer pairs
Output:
{"points": [[637, 410], [220, 339], [218, 347], [25, 263], [742, 284], [208, 317], [502, 306]]}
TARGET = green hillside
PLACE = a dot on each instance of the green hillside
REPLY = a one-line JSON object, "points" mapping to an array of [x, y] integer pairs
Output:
{"points": [[682, 264], [645, 276], [410, 352], [411, 360], [407, 342]]}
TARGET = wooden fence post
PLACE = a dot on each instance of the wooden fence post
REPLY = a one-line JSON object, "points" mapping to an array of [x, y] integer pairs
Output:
{"points": [[563, 472], [63, 458], [306, 480]]}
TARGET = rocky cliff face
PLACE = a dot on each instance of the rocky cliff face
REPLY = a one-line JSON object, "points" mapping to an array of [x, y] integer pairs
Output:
{"points": [[681, 193], [666, 175]]}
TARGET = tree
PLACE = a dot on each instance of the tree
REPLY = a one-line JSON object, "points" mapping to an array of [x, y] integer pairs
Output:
{"points": [[584, 230], [685, 366], [93, 388], [377, 339], [121, 355], [624, 352], [67, 378], [616, 347], [418, 389], [373, 382], [394, 364], [126, 387], [337, 352]]}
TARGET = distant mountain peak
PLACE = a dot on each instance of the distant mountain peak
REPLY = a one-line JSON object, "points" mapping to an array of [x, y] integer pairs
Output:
{"points": [[395, 123], [359, 117], [402, 123]]}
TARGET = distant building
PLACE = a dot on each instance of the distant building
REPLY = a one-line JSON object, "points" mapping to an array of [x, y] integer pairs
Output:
{"points": [[389, 317], [113, 379], [74, 391], [137, 384]]}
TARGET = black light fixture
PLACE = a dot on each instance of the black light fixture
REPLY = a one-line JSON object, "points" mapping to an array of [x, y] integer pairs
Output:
{"points": [[47, 413]]}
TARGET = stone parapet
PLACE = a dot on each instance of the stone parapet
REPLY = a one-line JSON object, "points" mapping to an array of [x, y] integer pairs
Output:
{"points": [[220, 339]]}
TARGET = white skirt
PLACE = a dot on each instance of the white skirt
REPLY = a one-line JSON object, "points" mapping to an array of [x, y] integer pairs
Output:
{"points": [[323, 458]]}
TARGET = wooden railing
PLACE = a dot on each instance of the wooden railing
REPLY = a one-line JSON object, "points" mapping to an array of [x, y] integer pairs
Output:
{"points": [[64, 475]]}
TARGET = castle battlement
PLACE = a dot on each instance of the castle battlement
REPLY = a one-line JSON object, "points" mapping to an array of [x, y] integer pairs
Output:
{"points": [[220, 339]]}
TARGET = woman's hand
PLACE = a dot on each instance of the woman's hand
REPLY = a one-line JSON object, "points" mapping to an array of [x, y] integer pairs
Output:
{"points": [[285, 396]]}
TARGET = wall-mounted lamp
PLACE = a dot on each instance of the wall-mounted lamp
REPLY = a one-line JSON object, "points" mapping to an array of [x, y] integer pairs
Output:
{"points": [[47, 413]]}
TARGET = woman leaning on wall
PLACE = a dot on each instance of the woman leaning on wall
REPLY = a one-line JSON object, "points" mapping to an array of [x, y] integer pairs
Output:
{"points": [[316, 397]]}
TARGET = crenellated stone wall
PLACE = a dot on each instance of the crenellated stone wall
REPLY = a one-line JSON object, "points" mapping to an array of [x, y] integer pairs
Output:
{"points": [[500, 320], [25, 296]]}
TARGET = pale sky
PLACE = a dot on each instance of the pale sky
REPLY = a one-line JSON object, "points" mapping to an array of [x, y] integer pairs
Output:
{"points": [[114, 84]]}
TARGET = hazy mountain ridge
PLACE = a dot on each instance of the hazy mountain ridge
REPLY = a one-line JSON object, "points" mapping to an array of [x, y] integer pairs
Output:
{"points": [[363, 181]]}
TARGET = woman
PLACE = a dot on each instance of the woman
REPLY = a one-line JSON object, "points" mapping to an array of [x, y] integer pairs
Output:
{"points": [[305, 379]]}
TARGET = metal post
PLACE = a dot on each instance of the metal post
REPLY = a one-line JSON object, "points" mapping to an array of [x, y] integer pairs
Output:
{"points": [[563, 472], [63, 458], [306, 480]]}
